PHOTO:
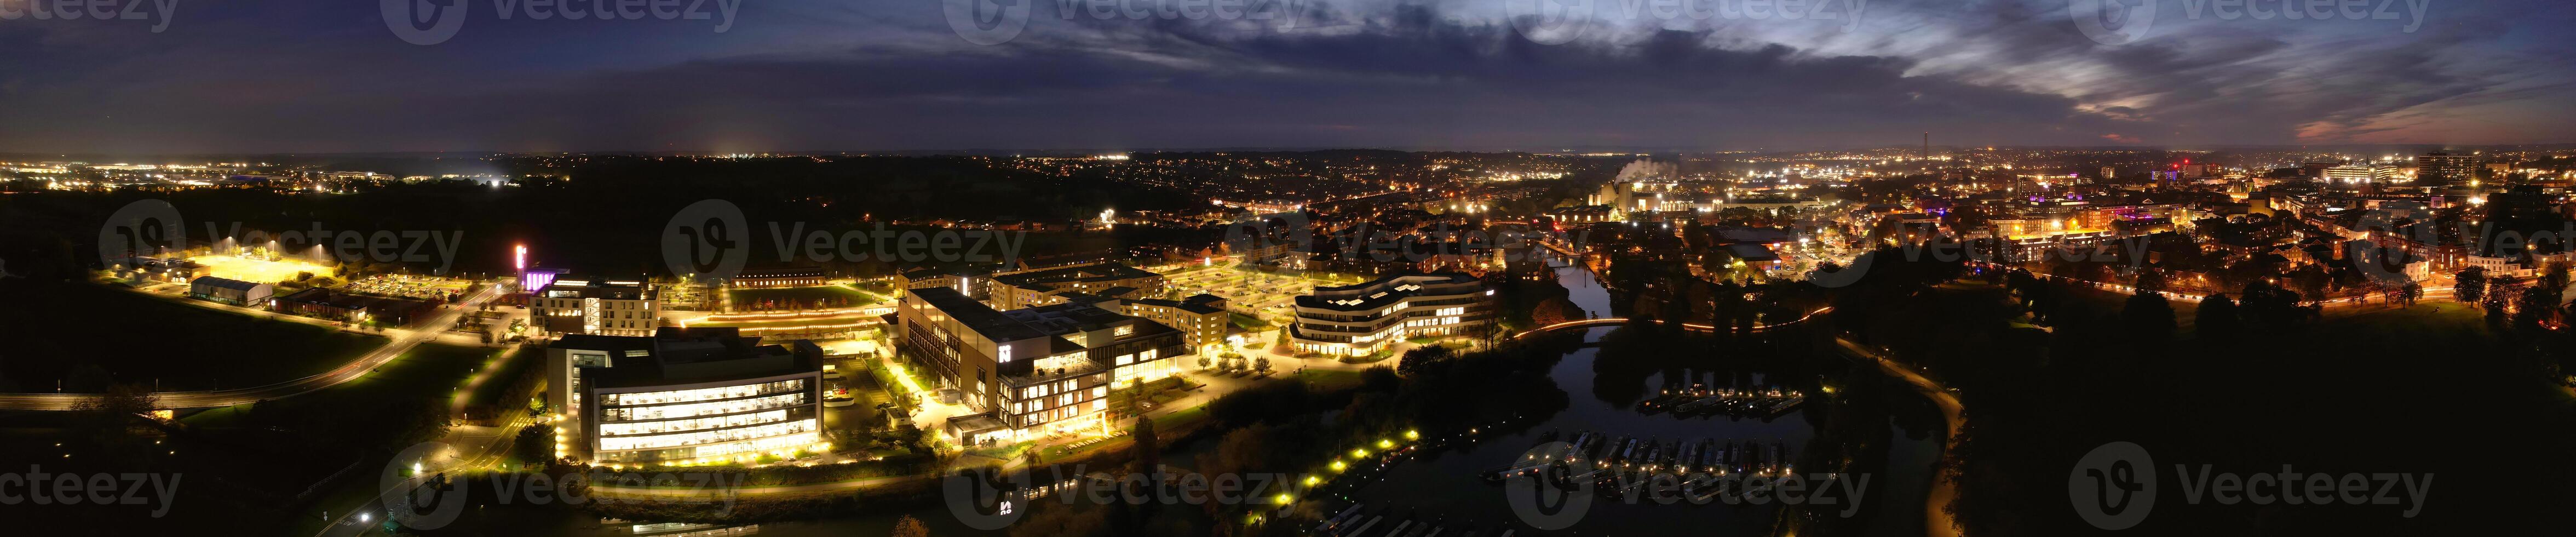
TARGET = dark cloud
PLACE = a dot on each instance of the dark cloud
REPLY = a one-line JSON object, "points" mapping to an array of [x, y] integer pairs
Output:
{"points": [[1406, 76]]}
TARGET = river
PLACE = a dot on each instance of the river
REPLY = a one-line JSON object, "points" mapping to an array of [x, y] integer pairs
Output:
{"points": [[1446, 485]]}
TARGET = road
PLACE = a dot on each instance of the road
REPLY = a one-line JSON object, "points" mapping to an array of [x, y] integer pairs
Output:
{"points": [[1937, 521], [402, 342], [347, 521]]}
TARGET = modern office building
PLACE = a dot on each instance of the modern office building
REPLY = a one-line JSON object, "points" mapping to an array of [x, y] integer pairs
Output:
{"points": [[603, 308], [1357, 320], [1032, 371], [1201, 318], [1040, 287], [2441, 168], [683, 396]]}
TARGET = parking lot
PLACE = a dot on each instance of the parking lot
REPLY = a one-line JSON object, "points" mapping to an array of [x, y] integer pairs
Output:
{"points": [[1266, 295], [407, 286]]}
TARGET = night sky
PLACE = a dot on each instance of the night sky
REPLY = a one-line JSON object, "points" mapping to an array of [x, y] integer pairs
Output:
{"points": [[332, 76]]}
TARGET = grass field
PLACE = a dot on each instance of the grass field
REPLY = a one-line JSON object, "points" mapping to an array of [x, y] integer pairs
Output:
{"points": [[506, 368], [370, 411], [89, 335]]}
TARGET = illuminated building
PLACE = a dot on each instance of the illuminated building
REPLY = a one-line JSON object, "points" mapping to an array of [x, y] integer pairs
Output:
{"points": [[607, 308], [1029, 371], [235, 292], [2440, 168], [1040, 287], [969, 283], [1201, 318], [1357, 320], [683, 395], [779, 277]]}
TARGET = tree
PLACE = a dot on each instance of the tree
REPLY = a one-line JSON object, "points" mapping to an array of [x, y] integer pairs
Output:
{"points": [[2472, 285], [1148, 454], [2149, 316], [1421, 356], [910, 527], [534, 446], [1261, 364], [2150, 280], [2217, 319], [1551, 311], [1206, 362]]}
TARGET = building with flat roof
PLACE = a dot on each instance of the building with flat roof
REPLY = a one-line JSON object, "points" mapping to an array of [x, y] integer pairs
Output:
{"points": [[683, 395], [1040, 286], [1202, 318], [967, 282], [779, 277], [325, 303], [1358, 320], [596, 307], [2443, 168], [1030, 371], [229, 291]]}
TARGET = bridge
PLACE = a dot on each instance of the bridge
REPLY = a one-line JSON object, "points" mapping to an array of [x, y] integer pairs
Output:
{"points": [[1616, 321]]}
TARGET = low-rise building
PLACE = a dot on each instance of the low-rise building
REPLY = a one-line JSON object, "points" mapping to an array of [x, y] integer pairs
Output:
{"points": [[229, 291], [1201, 318], [779, 277], [1039, 287], [596, 307], [1358, 320], [683, 396], [1030, 371], [328, 304]]}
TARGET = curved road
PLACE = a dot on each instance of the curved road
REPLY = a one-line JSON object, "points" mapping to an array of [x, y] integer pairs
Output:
{"points": [[400, 344]]}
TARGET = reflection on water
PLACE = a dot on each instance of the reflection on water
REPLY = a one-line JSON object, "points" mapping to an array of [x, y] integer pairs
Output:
{"points": [[1448, 487], [1444, 487]]}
